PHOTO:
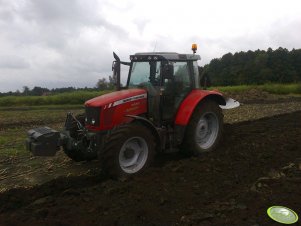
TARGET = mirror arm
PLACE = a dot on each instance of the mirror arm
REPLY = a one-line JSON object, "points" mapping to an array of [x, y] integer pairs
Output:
{"points": [[116, 70], [125, 63]]}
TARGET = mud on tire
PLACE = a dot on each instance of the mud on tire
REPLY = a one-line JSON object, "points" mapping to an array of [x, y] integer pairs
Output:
{"points": [[204, 130], [128, 149]]}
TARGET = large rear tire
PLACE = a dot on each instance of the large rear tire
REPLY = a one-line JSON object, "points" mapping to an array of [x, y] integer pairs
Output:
{"points": [[128, 149], [204, 130]]}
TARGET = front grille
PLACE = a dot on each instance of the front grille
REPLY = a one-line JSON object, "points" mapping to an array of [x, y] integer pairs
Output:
{"points": [[93, 113]]}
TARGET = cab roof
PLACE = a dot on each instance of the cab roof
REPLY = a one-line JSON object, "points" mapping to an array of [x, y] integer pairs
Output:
{"points": [[147, 56]]}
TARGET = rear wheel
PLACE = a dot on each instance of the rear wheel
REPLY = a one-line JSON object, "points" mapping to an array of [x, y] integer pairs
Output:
{"points": [[204, 130], [127, 150]]}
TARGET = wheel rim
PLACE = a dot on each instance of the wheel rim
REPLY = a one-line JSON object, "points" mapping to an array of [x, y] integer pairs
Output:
{"points": [[133, 155], [207, 130]]}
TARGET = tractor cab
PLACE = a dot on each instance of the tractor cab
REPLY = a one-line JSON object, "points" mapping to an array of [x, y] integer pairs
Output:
{"points": [[167, 77]]}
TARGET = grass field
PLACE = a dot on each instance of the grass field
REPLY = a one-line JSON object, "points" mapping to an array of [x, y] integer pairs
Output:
{"points": [[78, 98], [270, 88]]}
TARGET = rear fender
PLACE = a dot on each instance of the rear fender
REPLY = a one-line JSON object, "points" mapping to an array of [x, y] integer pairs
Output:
{"points": [[188, 105]]}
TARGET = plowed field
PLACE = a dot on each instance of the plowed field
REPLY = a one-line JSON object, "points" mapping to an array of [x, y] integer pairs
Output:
{"points": [[257, 165]]}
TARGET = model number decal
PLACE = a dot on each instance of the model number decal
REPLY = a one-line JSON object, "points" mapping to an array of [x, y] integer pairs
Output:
{"points": [[126, 100]]}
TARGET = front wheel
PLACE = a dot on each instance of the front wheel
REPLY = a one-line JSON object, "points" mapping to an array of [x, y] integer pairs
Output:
{"points": [[127, 150], [204, 130]]}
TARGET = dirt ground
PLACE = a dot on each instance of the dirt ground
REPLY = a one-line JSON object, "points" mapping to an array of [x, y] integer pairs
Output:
{"points": [[257, 165]]}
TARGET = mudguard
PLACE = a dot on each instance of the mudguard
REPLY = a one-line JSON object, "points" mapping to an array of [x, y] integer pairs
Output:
{"points": [[191, 101], [156, 131]]}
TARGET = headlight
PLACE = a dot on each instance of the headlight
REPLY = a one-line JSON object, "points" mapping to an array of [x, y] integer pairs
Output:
{"points": [[93, 116]]}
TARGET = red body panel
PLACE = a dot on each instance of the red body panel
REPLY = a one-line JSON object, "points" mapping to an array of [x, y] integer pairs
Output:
{"points": [[112, 97], [116, 105], [189, 103]]}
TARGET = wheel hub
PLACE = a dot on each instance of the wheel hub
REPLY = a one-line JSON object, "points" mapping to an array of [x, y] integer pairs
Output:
{"points": [[133, 154], [203, 129], [129, 153], [207, 130]]}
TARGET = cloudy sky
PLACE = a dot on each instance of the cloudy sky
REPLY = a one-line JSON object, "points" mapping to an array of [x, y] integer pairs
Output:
{"points": [[59, 43]]}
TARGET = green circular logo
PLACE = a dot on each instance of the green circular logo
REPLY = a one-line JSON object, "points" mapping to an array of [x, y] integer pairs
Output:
{"points": [[282, 214]]}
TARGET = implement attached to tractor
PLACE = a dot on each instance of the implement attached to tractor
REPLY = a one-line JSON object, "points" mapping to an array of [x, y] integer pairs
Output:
{"points": [[43, 141], [161, 108]]}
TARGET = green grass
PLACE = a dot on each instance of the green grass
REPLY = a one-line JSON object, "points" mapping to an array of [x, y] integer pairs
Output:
{"points": [[3, 140], [42, 115], [71, 98], [78, 98], [282, 88], [14, 152], [270, 88], [41, 108], [236, 89], [12, 142]]}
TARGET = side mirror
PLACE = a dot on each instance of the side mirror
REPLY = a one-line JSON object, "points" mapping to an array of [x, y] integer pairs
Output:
{"points": [[116, 70], [167, 71], [116, 57]]}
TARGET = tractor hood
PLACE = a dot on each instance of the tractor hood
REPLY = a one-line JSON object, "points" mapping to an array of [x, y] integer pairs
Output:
{"points": [[116, 98]]}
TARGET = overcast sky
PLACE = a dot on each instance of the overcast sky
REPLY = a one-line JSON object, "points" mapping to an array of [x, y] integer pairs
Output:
{"points": [[60, 43]]}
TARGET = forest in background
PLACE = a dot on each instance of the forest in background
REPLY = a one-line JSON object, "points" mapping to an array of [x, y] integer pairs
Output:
{"points": [[254, 68]]}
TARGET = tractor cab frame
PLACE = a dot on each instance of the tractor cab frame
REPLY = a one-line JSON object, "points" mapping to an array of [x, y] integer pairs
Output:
{"points": [[168, 78]]}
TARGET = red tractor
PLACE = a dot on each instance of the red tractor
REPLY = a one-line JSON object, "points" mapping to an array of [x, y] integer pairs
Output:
{"points": [[161, 109]]}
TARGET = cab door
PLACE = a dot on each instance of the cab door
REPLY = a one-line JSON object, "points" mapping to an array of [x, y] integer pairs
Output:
{"points": [[175, 89]]}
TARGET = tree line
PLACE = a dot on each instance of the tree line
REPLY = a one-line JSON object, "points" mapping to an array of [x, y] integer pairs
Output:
{"points": [[254, 67], [102, 84]]}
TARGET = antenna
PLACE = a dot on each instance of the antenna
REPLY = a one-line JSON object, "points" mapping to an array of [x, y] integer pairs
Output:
{"points": [[155, 46]]}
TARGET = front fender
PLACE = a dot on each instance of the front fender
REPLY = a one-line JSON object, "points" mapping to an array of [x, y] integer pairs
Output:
{"points": [[192, 100], [155, 131]]}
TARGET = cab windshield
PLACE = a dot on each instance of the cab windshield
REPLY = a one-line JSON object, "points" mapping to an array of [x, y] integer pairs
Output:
{"points": [[143, 73]]}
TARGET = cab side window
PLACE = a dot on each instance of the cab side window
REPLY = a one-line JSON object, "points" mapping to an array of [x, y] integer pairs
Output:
{"points": [[181, 75], [180, 84]]}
